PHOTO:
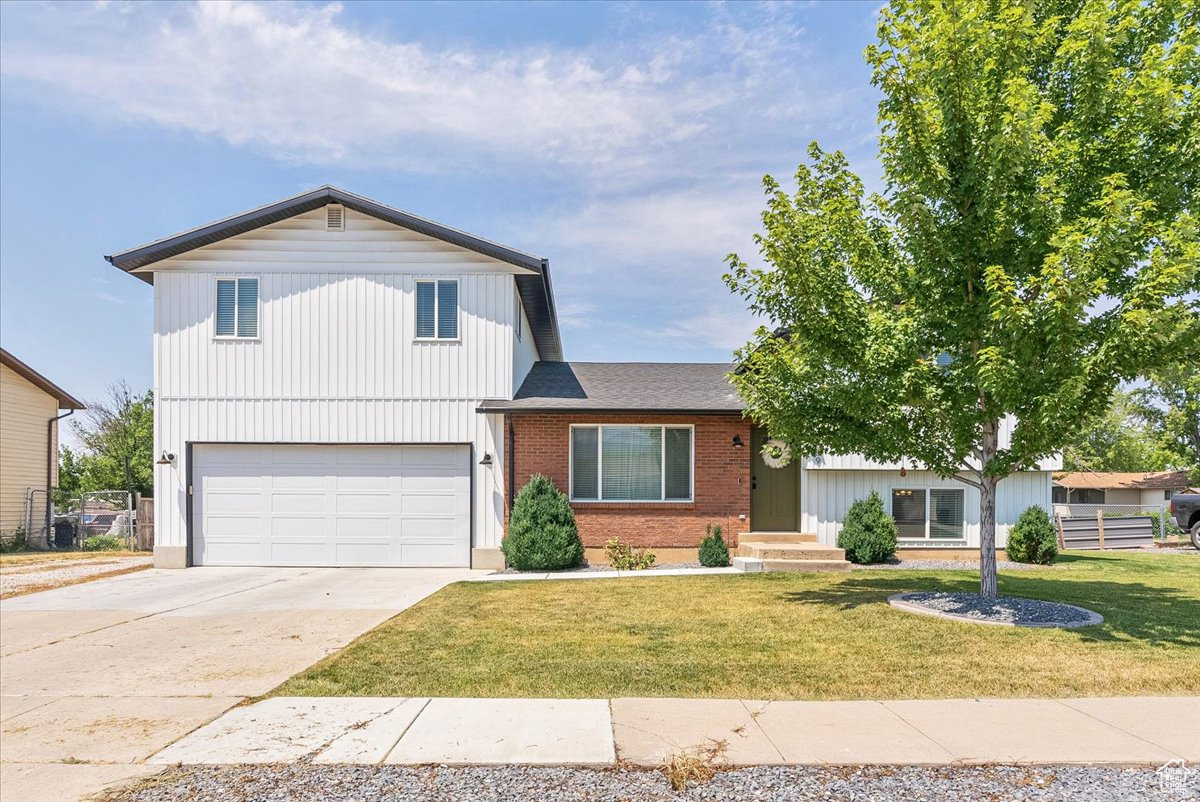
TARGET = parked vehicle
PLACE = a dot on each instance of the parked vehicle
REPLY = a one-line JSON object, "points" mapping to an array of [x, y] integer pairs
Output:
{"points": [[1185, 509]]}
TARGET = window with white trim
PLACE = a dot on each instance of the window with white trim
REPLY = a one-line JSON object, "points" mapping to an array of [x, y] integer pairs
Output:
{"points": [[933, 513], [518, 317], [631, 463], [237, 308], [437, 310]]}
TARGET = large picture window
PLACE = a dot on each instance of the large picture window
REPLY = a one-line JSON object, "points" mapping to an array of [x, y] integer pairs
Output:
{"points": [[934, 513], [631, 463]]}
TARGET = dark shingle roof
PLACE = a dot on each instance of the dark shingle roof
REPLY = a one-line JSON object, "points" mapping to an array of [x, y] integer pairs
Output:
{"points": [[624, 387]]}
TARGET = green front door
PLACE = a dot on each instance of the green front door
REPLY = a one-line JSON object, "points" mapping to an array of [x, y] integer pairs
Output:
{"points": [[773, 491]]}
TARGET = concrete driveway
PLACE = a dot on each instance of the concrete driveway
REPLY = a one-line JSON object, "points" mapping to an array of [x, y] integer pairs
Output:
{"points": [[95, 678]]}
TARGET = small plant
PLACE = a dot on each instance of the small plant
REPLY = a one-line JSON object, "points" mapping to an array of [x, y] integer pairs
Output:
{"points": [[103, 543], [622, 557], [542, 535], [697, 765], [1032, 539], [13, 541], [868, 533], [714, 553]]}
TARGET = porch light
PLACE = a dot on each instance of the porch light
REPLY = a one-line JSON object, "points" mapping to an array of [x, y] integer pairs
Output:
{"points": [[166, 459], [903, 472], [487, 459], [737, 441]]}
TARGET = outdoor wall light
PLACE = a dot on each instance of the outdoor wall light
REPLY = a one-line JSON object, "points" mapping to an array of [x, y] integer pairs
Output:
{"points": [[737, 441], [487, 459], [166, 459]]}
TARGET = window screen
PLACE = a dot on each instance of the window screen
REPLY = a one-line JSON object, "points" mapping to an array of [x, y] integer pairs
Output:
{"points": [[945, 513], [585, 455], [426, 307], [677, 466], [908, 508], [226, 307], [631, 467], [447, 310]]}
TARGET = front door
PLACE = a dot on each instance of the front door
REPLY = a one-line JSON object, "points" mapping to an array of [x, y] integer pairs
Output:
{"points": [[773, 491]]}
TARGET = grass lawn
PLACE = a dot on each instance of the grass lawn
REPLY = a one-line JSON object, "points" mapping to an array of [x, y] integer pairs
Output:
{"points": [[31, 557], [780, 636]]}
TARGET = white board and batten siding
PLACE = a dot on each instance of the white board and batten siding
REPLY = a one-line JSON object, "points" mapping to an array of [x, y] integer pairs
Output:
{"points": [[336, 361], [826, 496]]}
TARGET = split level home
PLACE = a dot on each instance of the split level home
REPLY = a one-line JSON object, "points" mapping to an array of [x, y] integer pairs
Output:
{"points": [[31, 407], [338, 382]]}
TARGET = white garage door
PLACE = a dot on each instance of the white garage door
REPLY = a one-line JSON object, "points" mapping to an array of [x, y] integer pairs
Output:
{"points": [[331, 505]]}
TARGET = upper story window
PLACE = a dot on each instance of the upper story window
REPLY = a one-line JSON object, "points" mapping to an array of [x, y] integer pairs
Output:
{"points": [[237, 308], [437, 309], [631, 463], [517, 316]]}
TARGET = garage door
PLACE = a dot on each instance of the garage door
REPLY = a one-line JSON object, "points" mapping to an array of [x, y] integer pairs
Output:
{"points": [[331, 505]]}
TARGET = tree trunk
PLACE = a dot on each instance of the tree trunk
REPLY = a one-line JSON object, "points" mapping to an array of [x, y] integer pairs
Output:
{"points": [[987, 538], [987, 513]]}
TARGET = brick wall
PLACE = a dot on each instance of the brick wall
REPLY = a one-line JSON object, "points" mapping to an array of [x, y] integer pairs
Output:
{"points": [[721, 481]]}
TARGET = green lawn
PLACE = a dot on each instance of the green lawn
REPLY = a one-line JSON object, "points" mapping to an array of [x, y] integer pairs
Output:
{"points": [[780, 636]]}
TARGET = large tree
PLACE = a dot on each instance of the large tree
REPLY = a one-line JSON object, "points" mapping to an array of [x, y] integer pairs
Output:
{"points": [[1170, 401], [117, 434], [1033, 244], [1123, 438]]}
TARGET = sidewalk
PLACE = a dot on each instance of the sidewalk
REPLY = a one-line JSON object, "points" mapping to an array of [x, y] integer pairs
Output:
{"points": [[644, 732]]}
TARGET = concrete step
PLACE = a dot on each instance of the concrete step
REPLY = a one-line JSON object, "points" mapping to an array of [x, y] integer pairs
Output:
{"points": [[805, 566], [790, 551], [747, 565], [776, 537]]}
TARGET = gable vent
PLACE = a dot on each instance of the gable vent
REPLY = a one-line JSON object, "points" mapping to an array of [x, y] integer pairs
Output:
{"points": [[335, 217]]}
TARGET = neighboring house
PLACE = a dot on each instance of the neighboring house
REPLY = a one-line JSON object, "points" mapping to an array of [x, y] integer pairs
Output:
{"points": [[341, 383], [1151, 488], [30, 407]]}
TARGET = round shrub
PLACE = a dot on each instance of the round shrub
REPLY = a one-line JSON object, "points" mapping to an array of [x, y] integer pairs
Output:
{"points": [[868, 533], [541, 530], [714, 553], [1032, 539]]}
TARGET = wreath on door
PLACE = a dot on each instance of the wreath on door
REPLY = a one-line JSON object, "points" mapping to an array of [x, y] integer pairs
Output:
{"points": [[776, 453]]}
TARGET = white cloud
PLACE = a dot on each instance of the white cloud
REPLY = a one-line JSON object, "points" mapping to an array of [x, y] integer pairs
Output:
{"points": [[300, 83]]}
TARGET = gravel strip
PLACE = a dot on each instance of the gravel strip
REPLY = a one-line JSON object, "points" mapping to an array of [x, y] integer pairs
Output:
{"points": [[1011, 610], [17, 578], [945, 565], [301, 782]]}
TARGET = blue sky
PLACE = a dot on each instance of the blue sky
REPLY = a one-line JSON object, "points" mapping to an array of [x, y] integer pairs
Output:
{"points": [[623, 141]]}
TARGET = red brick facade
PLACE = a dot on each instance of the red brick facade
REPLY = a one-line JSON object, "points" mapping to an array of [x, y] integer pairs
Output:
{"points": [[721, 479]]}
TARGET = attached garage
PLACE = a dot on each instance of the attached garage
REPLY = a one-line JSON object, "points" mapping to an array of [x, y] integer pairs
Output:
{"points": [[331, 505]]}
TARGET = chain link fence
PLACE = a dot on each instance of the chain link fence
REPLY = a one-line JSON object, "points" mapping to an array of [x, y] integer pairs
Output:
{"points": [[100, 520]]}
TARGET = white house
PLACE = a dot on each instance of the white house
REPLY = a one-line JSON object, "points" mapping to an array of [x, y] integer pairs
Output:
{"points": [[338, 382], [317, 367]]}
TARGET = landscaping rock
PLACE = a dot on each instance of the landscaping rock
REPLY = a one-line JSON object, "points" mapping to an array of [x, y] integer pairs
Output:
{"points": [[309, 783], [1007, 610]]}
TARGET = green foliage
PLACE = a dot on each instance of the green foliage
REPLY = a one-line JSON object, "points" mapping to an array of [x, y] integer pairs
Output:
{"points": [[1036, 228], [542, 535], [103, 543], [1121, 439], [714, 553], [622, 557], [868, 533], [1032, 539], [16, 540], [1170, 403], [117, 434]]}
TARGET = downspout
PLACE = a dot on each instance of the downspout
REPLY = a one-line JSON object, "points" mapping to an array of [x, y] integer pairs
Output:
{"points": [[51, 459], [512, 461]]}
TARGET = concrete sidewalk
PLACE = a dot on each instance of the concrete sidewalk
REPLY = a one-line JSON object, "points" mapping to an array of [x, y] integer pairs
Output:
{"points": [[593, 732]]}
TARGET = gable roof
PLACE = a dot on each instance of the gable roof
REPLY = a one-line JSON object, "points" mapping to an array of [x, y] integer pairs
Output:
{"points": [[537, 296], [668, 387], [1116, 480], [65, 399]]}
